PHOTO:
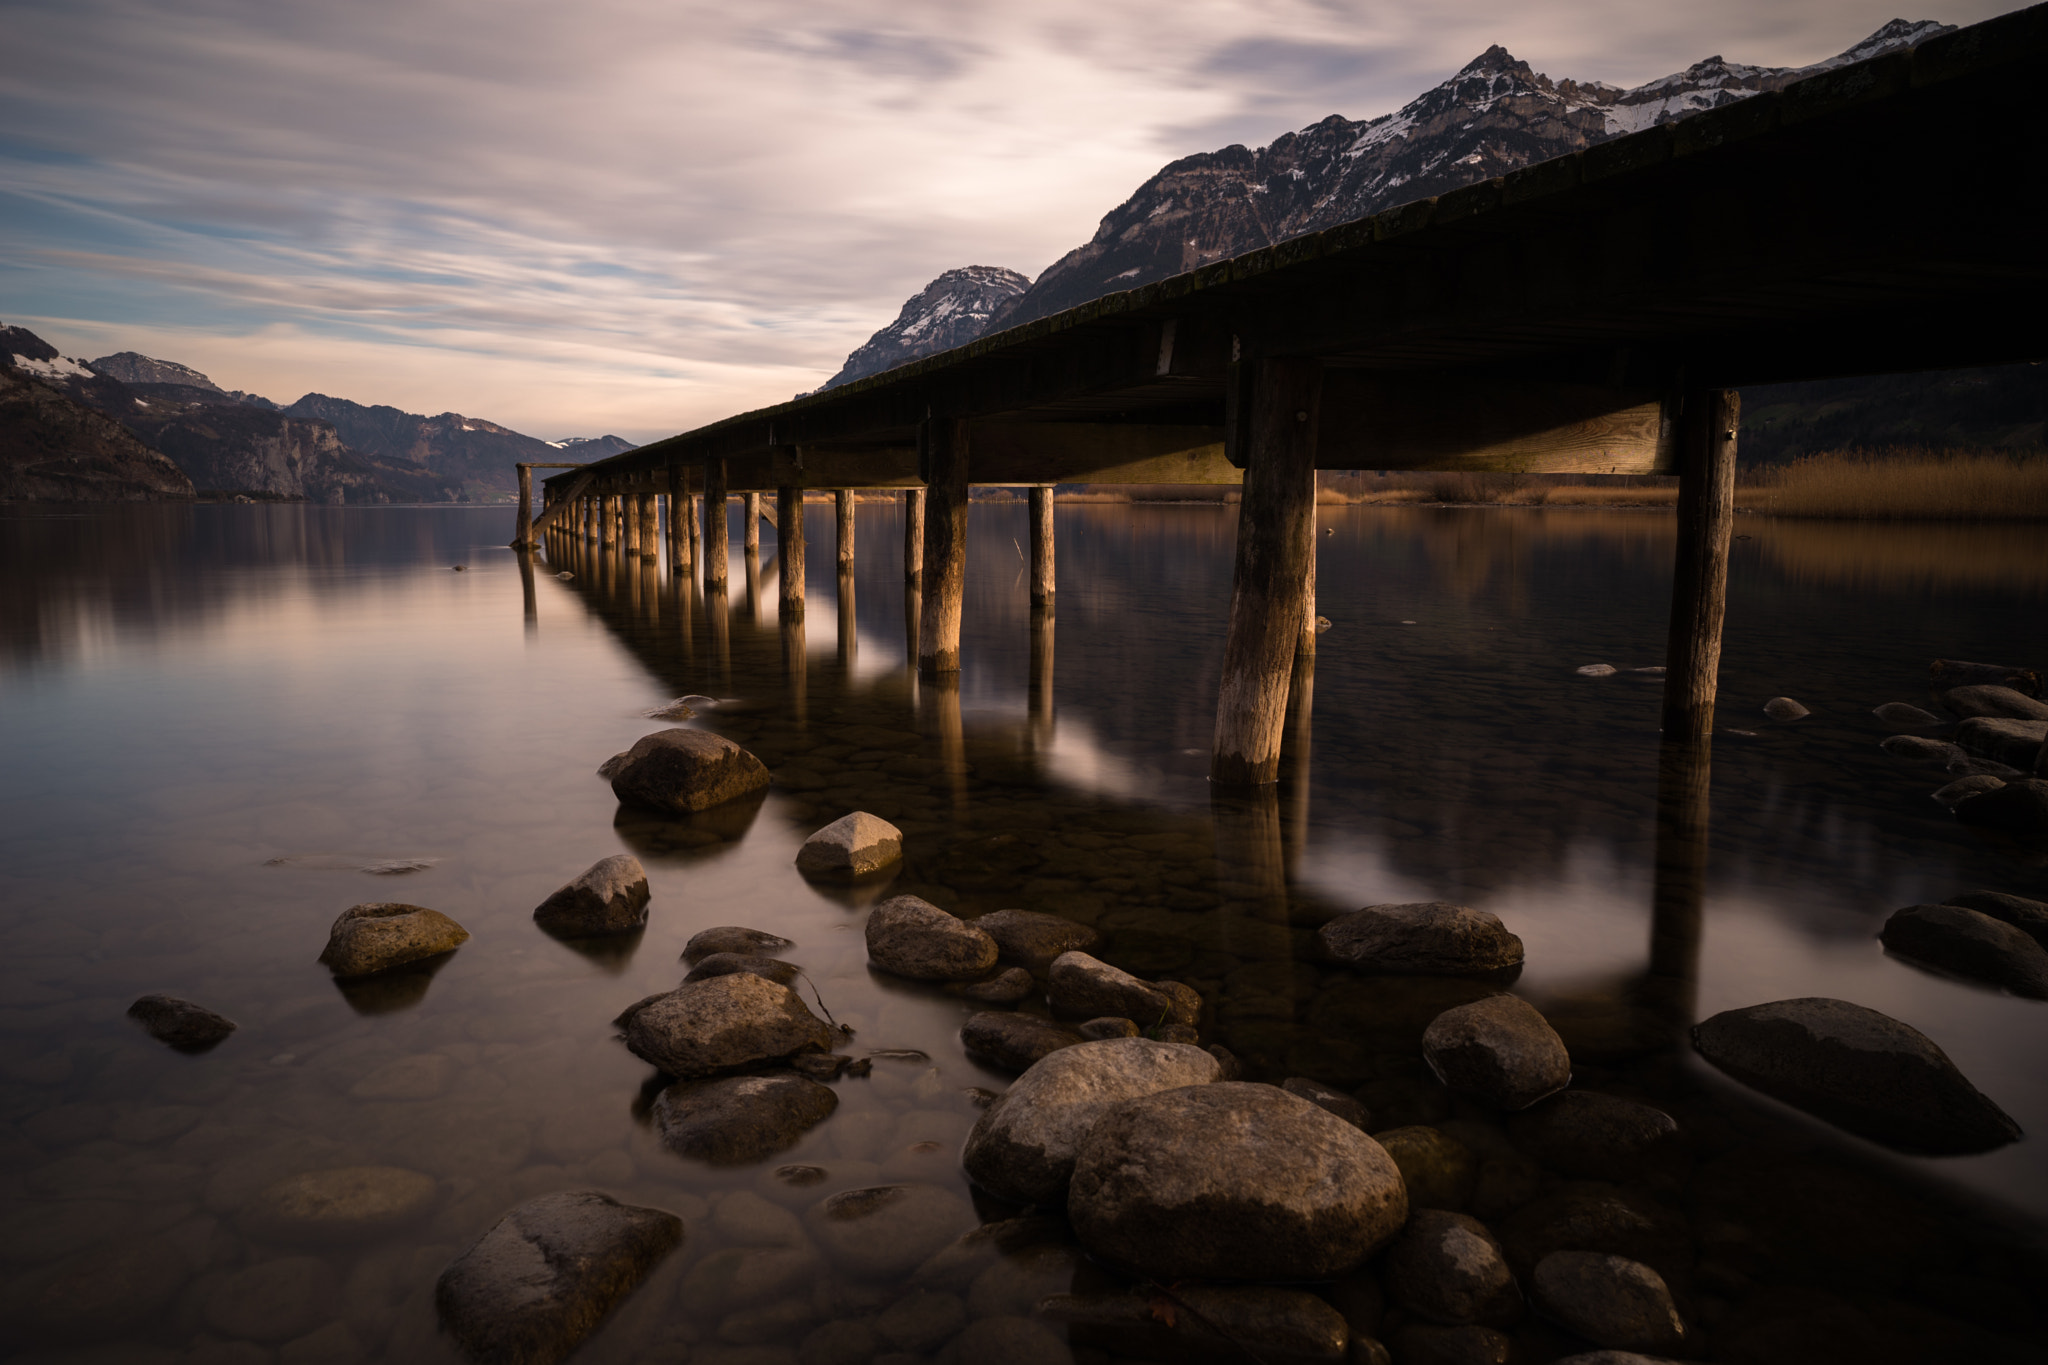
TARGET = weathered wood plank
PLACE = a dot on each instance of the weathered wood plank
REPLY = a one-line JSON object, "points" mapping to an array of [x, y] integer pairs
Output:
{"points": [[1707, 422], [945, 547]]}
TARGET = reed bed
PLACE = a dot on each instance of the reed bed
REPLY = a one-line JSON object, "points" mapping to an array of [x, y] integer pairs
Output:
{"points": [[1905, 484]]}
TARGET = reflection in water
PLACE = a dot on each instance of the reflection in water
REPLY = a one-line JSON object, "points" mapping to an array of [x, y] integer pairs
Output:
{"points": [[529, 603], [1041, 691], [849, 633], [796, 666], [1671, 985], [387, 992]]}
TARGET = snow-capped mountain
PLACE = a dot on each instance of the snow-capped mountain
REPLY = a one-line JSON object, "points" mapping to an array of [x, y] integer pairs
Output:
{"points": [[1494, 116], [592, 447], [951, 311]]}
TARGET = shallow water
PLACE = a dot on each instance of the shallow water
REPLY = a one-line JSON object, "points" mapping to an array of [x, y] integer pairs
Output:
{"points": [[216, 719]]}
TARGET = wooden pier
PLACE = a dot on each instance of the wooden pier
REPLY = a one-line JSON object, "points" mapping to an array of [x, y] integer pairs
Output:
{"points": [[1588, 314]]}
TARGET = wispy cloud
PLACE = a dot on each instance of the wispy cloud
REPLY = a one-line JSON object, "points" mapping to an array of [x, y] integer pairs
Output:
{"points": [[634, 216]]}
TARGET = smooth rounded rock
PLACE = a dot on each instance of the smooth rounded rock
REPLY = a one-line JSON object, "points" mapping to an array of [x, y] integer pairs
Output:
{"points": [[725, 964], [1858, 1069], [180, 1023], [1447, 1267], [1963, 788], [733, 938], [1600, 1137], [1438, 1170], [1972, 944], [1084, 986], [885, 1231], [683, 771], [1232, 1181], [1900, 713], [1427, 938], [1032, 940], [738, 1119], [856, 845], [610, 897], [721, 1024], [2019, 807], [381, 935], [1500, 1050], [1336, 1101], [2018, 911], [341, 1206], [1023, 1148], [1006, 987], [910, 937], [1784, 708], [1919, 749], [2015, 743], [1992, 700], [530, 1289], [1608, 1300]]}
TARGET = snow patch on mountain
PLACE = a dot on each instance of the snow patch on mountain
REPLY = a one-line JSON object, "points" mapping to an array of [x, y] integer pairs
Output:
{"points": [[951, 311]]}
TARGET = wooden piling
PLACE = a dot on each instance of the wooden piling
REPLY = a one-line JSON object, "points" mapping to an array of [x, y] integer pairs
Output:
{"points": [[1041, 547], [913, 535], [522, 530], [945, 549], [849, 623], [715, 542], [650, 529], [789, 551], [842, 514], [1708, 420], [1276, 528], [608, 521], [750, 538], [692, 526]]}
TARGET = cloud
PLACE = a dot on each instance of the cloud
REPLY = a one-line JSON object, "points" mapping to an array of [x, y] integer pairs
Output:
{"points": [[686, 209]]}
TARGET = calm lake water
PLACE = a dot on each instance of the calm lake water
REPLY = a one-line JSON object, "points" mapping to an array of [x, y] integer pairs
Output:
{"points": [[216, 720]]}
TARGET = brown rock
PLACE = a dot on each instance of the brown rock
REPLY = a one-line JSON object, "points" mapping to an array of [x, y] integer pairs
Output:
{"points": [[722, 1024], [1029, 939], [1428, 938], [180, 1023], [1448, 1268], [910, 937], [682, 771], [609, 898], [376, 937]]}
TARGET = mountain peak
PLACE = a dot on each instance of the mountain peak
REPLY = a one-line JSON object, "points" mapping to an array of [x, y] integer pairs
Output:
{"points": [[132, 367], [1494, 59], [951, 311]]}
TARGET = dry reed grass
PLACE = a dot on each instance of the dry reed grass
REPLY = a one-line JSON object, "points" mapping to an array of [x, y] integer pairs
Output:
{"points": [[1899, 484]]}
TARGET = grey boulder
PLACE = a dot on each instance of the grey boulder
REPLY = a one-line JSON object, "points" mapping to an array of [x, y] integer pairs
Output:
{"points": [[1085, 986], [1500, 1050], [1233, 1181], [1032, 940], [609, 898], [1971, 944], [180, 1023], [386, 934], [1013, 1042], [2018, 911], [855, 845], [725, 964], [684, 771], [1023, 1148], [1448, 1268], [725, 1023], [1608, 1300], [2019, 807], [1858, 1069], [910, 937], [733, 938], [1426, 938], [739, 1119], [531, 1289]]}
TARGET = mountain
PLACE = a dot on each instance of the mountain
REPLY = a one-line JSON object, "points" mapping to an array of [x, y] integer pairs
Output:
{"points": [[229, 448], [951, 311], [54, 448], [477, 454], [132, 367], [2003, 407], [1494, 116], [592, 447]]}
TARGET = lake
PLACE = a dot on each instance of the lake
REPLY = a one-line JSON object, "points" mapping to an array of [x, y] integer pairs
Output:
{"points": [[224, 725]]}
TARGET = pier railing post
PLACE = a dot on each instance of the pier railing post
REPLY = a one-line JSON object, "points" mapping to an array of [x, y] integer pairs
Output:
{"points": [[1707, 423], [522, 530], [945, 549], [1042, 566], [789, 551], [1276, 528], [842, 520], [913, 535], [715, 542]]}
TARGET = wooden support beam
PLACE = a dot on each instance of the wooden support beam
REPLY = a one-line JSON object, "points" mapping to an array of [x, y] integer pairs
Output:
{"points": [[608, 521], [522, 529], [715, 545], [750, 520], [650, 529], [1042, 567], [633, 522], [566, 508], [693, 526], [913, 538], [842, 514], [789, 552], [1707, 422], [945, 547], [678, 511], [1275, 542]]}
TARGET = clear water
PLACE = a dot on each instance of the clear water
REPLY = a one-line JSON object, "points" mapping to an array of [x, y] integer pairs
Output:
{"points": [[216, 718]]}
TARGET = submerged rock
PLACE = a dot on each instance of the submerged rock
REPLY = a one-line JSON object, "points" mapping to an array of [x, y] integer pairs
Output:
{"points": [[1610, 1300], [609, 898], [1024, 1147], [1499, 1049], [534, 1286], [1013, 1042], [1858, 1069], [1233, 1181], [683, 771], [2019, 807], [378, 936], [1784, 708], [733, 938], [1990, 699], [725, 964], [1006, 987], [910, 937], [338, 1207], [1450, 1269], [2018, 911], [1600, 1137], [1972, 944], [702, 1028], [1082, 985], [180, 1023], [1428, 938], [1031, 940], [855, 845], [740, 1118], [886, 1231], [1899, 713]]}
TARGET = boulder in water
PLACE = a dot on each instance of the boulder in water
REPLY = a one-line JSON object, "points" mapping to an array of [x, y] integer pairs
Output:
{"points": [[724, 964], [1448, 1268], [2018, 911], [1963, 788], [1920, 749], [1013, 1042], [1427, 938], [1024, 1147], [1032, 940], [1858, 1069], [1610, 1300], [684, 771], [733, 938], [531, 1289], [1233, 1181], [1598, 1137], [855, 845], [386, 934], [1092, 989], [2014, 743], [911, 937], [609, 898], [1500, 1050], [738, 1119], [724, 1023], [2019, 807], [1899, 713], [1784, 708], [1990, 699], [180, 1023], [1972, 944]]}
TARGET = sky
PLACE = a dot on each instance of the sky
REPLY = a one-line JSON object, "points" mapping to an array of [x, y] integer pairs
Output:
{"points": [[637, 217]]}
